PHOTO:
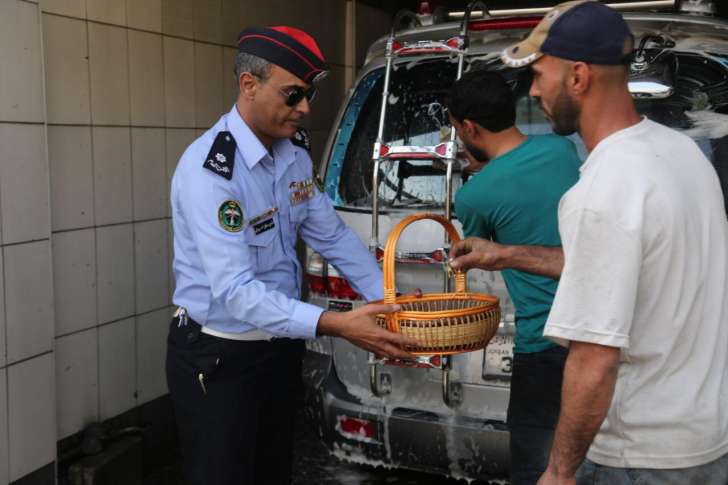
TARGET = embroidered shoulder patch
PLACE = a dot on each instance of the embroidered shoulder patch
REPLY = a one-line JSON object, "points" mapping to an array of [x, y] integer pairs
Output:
{"points": [[230, 216], [301, 139], [221, 159]]}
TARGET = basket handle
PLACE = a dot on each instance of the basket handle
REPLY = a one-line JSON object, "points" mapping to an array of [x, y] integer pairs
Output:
{"points": [[391, 246]]}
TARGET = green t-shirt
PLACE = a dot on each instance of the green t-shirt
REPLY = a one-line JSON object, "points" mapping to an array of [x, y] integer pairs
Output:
{"points": [[514, 200]]}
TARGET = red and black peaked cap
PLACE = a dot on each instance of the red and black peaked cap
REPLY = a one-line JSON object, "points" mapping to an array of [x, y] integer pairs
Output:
{"points": [[287, 47]]}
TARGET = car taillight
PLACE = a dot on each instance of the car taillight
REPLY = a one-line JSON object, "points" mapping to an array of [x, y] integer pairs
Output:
{"points": [[355, 428], [504, 24], [327, 283], [340, 288], [316, 284]]}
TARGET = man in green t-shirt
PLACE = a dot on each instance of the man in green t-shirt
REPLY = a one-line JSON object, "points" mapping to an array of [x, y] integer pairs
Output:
{"points": [[513, 200]]}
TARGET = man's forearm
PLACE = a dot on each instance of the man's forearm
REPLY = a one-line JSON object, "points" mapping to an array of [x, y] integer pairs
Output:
{"points": [[540, 260], [589, 379]]}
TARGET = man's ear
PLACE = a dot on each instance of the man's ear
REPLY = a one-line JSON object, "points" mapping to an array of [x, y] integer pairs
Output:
{"points": [[248, 85], [580, 78], [470, 128]]}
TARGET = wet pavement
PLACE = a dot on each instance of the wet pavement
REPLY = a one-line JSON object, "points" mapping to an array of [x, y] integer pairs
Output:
{"points": [[314, 465]]}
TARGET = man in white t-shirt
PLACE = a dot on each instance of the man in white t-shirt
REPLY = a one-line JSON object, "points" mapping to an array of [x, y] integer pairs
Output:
{"points": [[642, 300]]}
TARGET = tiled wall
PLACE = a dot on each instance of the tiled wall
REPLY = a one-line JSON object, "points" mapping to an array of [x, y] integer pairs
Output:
{"points": [[98, 98]]}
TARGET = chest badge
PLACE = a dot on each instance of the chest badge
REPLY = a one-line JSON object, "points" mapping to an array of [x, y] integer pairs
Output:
{"points": [[230, 216], [301, 191]]}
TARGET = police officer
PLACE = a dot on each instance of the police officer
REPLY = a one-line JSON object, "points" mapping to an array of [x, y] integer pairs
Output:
{"points": [[241, 194]]}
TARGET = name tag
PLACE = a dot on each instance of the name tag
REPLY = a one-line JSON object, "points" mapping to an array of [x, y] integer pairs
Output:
{"points": [[263, 226], [301, 191]]}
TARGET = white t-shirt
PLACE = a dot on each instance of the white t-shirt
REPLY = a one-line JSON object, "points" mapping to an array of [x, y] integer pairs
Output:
{"points": [[645, 240]]}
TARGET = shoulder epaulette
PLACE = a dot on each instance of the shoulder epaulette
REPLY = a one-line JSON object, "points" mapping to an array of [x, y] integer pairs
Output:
{"points": [[221, 159], [301, 139]]}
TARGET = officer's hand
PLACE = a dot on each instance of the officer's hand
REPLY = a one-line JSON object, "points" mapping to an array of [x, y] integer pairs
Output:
{"points": [[360, 328], [475, 252]]}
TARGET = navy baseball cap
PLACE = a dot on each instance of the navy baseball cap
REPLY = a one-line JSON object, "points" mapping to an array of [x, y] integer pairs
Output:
{"points": [[586, 31]]}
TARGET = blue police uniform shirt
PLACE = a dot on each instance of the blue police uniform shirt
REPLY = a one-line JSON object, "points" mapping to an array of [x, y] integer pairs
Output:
{"points": [[236, 279]]}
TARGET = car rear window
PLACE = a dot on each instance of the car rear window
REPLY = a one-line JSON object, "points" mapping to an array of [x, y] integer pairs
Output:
{"points": [[416, 116]]}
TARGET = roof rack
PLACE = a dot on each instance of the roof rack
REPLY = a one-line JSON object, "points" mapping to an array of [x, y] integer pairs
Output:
{"points": [[514, 12]]}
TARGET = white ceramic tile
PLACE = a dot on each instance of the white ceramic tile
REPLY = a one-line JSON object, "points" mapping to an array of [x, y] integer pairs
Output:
{"points": [[28, 299], [112, 175], [152, 331], [208, 20], [109, 75], [77, 381], [107, 11], [3, 349], [208, 84], [149, 173], [23, 183], [229, 80], [74, 280], [21, 87], [70, 8], [151, 265], [117, 368], [179, 83], [115, 272], [4, 458], [178, 18], [144, 14], [146, 72], [66, 67], [32, 415], [72, 177]]}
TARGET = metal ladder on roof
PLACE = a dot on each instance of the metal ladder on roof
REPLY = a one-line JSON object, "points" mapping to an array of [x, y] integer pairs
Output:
{"points": [[445, 152]]}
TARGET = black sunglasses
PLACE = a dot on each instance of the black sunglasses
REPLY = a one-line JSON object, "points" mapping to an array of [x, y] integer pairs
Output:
{"points": [[295, 95]]}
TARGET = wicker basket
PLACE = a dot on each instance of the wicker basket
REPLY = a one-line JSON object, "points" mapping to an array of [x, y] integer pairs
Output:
{"points": [[444, 323]]}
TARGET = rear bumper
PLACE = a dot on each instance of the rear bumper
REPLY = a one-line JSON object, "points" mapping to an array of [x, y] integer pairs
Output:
{"points": [[453, 445]]}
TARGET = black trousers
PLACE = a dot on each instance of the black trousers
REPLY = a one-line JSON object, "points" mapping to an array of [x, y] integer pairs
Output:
{"points": [[533, 411], [234, 404]]}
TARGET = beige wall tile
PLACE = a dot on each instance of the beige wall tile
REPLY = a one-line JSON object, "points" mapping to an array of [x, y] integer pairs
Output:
{"points": [[77, 381], [229, 81], [74, 280], [150, 248], [149, 179], [152, 329], [117, 368], [32, 415], [208, 84], [371, 24], [107, 11], [109, 75], [28, 299], [208, 20], [66, 66], [144, 14], [146, 73], [178, 18], [23, 183], [70, 8], [115, 270], [3, 349], [112, 175], [179, 83], [21, 87], [231, 26], [72, 177], [4, 458], [331, 32]]}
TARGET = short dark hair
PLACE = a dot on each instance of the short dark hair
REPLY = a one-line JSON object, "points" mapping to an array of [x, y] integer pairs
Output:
{"points": [[483, 97]]}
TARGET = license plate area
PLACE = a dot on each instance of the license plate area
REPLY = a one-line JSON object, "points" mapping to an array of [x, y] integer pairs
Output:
{"points": [[498, 360]]}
